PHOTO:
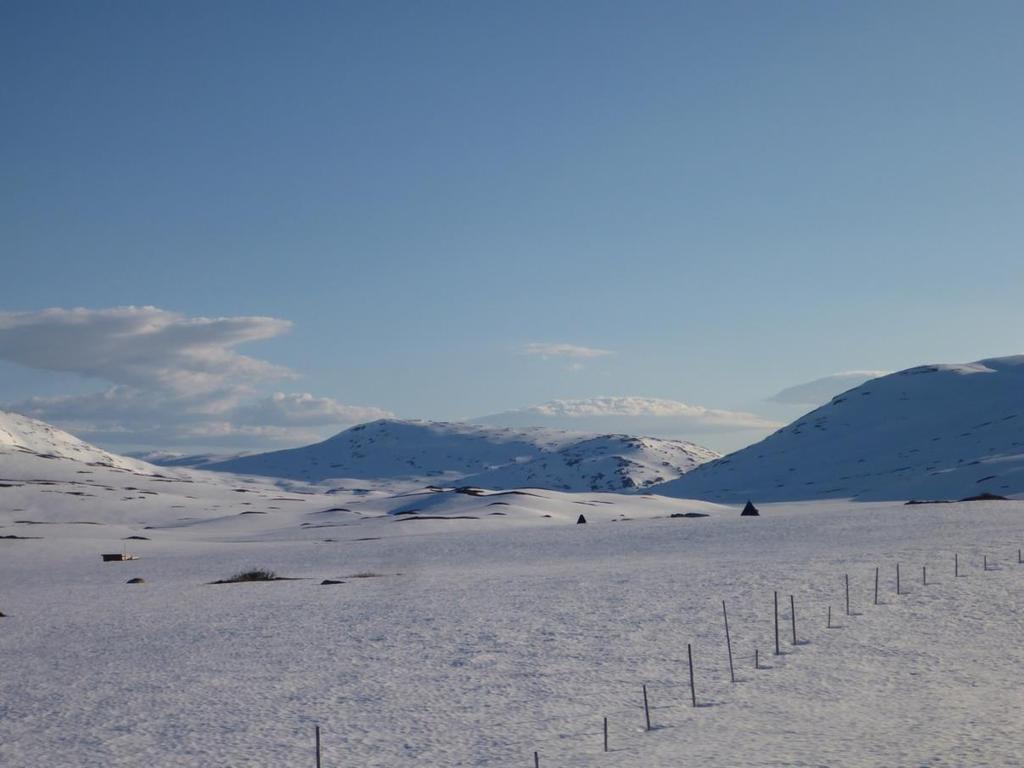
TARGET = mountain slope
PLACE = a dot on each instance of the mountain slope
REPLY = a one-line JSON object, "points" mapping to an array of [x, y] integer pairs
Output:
{"points": [[935, 431], [490, 457], [25, 435], [602, 463]]}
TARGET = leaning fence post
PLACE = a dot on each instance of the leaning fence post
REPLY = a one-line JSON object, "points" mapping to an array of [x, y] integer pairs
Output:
{"points": [[647, 710], [728, 643], [693, 689]]}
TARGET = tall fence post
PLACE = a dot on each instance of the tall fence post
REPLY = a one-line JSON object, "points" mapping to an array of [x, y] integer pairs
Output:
{"points": [[606, 734], [647, 710], [876, 585], [792, 616], [693, 688], [924, 575], [847, 578], [728, 643], [318, 746], [777, 651], [897, 578], [829, 624], [956, 564], [536, 760]]}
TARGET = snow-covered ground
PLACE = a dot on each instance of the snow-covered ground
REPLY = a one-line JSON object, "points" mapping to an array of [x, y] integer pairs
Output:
{"points": [[473, 627], [481, 638]]}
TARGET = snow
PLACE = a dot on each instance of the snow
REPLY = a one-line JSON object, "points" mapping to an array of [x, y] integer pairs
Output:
{"points": [[494, 457], [605, 462], [28, 435], [474, 627], [481, 638], [931, 432]]}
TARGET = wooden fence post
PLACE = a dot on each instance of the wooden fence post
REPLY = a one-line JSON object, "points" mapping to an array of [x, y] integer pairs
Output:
{"points": [[876, 585], [693, 689], [606, 734], [777, 652], [728, 643], [318, 746], [647, 711], [792, 616]]}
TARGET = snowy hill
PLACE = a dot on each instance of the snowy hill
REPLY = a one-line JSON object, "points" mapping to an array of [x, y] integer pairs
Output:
{"points": [[491, 457], [192, 460], [21, 434], [931, 432], [602, 463]]}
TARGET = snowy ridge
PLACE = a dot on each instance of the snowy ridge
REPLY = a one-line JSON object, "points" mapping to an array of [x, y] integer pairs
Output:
{"points": [[491, 457], [24, 434], [602, 463], [930, 432]]}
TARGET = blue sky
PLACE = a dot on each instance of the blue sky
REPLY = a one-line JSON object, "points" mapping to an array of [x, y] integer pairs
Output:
{"points": [[730, 198]]}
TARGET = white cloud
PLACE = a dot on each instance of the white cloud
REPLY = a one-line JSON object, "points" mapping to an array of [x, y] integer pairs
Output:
{"points": [[174, 380], [633, 415], [143, 347], [548, 350], [818, 392], [304, 410]]}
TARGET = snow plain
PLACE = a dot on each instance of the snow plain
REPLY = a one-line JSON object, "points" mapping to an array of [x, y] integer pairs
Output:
{"points": [[480, 638]]}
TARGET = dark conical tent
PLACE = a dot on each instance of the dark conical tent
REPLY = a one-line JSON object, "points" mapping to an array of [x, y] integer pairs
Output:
{"points": [[581, 520], [750, 510]]}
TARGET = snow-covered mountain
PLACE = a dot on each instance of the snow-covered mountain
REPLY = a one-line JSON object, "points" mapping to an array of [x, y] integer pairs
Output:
{"points": [[188, 460], [21, 434], [931, 432], [490, 457], [601, 463]]}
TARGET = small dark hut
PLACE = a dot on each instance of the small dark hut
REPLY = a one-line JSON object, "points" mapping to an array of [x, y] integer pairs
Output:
{"points": [[750, 510], [581, 520]]}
